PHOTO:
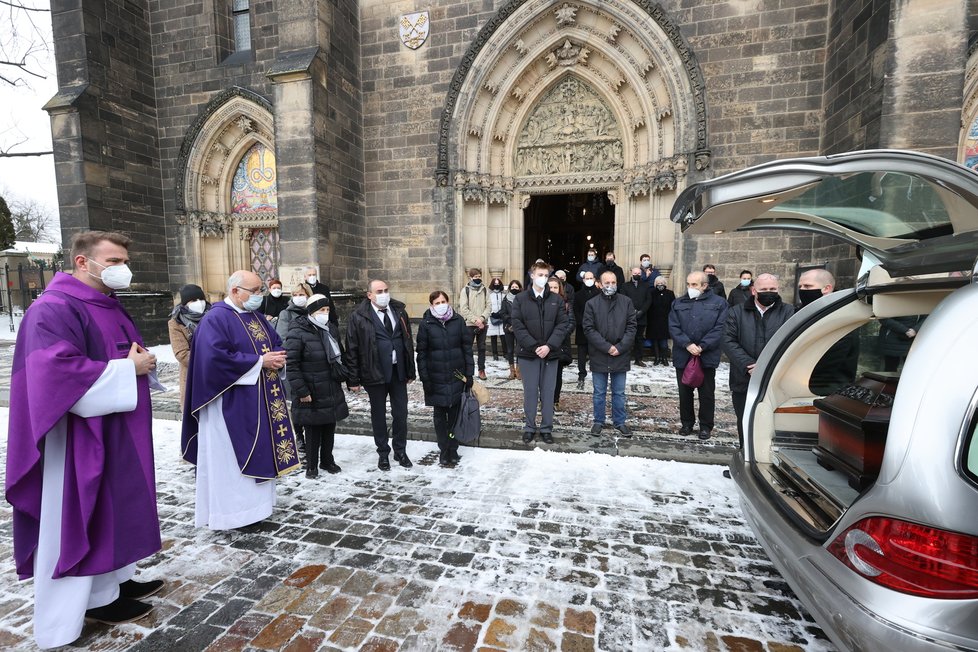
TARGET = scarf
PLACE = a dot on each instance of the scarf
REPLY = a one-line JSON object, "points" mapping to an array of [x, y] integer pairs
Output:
{"points": [[448, 315], [333, 352], [187, 318]]}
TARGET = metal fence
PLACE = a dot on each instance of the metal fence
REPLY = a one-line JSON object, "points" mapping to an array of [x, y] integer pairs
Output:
{"points": [[22, 283]]}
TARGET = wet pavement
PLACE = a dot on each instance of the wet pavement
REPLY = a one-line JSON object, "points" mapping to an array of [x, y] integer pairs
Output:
{"points": [[520, 549]]}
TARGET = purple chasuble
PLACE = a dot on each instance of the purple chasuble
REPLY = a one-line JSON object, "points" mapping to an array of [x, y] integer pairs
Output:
{"points": [[109, 517], [226, 345]]}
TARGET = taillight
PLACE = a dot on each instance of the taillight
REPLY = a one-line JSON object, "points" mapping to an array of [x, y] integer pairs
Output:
{"points": [[911, 558]]}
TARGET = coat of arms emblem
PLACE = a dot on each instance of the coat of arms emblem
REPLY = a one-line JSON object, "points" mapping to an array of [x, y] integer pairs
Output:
{"points": [[414, 29]]}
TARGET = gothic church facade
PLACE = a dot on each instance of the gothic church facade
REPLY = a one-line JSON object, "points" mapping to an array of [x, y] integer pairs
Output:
{"points": [[410, 140]]}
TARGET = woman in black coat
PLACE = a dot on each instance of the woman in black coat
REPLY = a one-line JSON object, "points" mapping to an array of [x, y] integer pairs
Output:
{"points": [[658, 326], [564, 358], [444, 353], [313, 352], [515, 287]]}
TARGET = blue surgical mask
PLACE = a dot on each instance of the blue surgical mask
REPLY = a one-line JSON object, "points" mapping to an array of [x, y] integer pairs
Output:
{"points": [[744, 282], [253, 302]]}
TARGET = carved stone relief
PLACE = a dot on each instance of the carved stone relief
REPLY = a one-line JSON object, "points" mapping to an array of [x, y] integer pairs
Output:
{"points": [[571, 130]]}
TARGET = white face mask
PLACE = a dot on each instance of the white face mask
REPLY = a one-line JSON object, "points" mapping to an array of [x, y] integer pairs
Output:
{"points": [[253, 302], [276, 292], [694, 292], [440, 309], [540, 281], [382, 299], [589, 282], [321, 318], [299, 300], [311, 280], [196, 307], [116, 277], [646, 264]]}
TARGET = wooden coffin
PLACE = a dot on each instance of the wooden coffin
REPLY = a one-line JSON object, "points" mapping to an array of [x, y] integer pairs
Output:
{"points": [[852, 426]]}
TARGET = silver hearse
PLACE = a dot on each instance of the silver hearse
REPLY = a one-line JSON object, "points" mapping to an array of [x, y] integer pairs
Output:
{"points": [[866, 498]]}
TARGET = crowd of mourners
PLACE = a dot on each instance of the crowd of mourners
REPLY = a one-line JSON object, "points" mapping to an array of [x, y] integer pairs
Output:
{"points": [[264, 377]]}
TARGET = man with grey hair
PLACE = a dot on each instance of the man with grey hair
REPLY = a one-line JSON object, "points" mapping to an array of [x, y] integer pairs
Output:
{"points": [[749, 327], [380, 357], [236, 425]]}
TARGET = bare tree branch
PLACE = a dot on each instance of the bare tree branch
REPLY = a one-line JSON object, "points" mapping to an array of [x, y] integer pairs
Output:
{"points": [[15, 154], [22, 66], [17, 5]]}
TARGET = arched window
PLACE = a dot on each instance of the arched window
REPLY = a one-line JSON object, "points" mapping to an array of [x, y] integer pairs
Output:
{"points": [[254, 193]]}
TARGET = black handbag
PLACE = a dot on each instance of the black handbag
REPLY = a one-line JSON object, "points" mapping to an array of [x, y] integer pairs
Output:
{"points": [[339, 371]]}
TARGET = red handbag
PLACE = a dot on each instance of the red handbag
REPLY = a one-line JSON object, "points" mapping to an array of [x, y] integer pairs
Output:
{"points": [[693, 373]]}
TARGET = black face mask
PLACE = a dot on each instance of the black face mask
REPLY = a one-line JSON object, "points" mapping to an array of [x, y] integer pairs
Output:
{"points": [[768, 298], [609, 261], [496, 286], [712, 278], [514, 290], [476, 281], [807, 296], [636, 277]]}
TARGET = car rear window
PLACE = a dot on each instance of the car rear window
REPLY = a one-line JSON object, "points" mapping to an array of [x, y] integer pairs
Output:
{"points": [[881, 204]]}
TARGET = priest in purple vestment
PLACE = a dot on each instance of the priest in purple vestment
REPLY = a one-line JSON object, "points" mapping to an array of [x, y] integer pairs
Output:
{"points": [[236, 425], [80, 473]]}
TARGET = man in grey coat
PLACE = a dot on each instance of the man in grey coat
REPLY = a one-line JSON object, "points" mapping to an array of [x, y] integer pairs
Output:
{"points": [[749, 327], [610, 327]]}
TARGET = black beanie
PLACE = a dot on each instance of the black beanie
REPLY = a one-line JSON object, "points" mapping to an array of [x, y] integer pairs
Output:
{"points": [[316, 302], [190, 293]]}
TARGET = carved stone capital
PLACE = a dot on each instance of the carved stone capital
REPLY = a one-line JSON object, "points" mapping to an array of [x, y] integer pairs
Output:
{"points": [[703, 159], [209, 224]]}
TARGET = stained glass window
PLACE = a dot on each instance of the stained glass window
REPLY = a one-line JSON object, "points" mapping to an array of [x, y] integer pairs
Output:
{"points": [[971, 146], [241, 17], [254, 188]]}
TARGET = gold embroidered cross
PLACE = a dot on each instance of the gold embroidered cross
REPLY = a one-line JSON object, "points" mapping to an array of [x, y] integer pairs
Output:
{"points": [[265, 348], [275, 390], [282, 430]]}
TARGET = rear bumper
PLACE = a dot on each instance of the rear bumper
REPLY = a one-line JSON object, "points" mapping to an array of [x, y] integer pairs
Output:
{"points": [[849, 623]]}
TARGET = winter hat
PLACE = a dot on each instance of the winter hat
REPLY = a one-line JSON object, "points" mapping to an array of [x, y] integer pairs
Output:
{"points": [[316, 302], [190, 293]]}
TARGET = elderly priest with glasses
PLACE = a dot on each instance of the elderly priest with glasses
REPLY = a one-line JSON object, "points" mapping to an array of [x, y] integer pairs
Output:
{"points": [[236, 425]]}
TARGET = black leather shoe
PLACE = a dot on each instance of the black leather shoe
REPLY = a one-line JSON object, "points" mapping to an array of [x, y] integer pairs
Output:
{"points": [[123, 610], [685, 431], [624, 430], [312, 473], [726, 473], [383, 463], [403, 460], [580, 383], [138, 590], [445, 461], [704, 434], [596, 429], [528, 436], [547, 437], [454, 457], [332, 468]]}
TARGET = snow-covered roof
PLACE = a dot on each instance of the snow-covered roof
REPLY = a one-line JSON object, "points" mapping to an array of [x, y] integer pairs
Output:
{"points": [[35, 247]]}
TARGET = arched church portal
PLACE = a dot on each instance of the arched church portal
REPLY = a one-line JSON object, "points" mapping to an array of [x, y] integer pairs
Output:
{"points": [[560, 106], [227, 195]]}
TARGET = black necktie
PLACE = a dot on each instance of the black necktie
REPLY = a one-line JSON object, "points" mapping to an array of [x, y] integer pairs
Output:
{"points": [[388, 324]]}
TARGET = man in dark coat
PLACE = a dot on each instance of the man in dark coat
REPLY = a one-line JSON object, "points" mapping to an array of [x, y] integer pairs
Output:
{"points": [[592, 264], [610, 325], [838, 366], [380, 356], [696, 326], [658, 327], [749, 328], [611, 266], [638, 291], [714, 283], [742, 293], [540, 324], [589, 290], [312, 279]]}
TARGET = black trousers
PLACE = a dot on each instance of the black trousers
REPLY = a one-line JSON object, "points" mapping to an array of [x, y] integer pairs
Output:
{"points": [[639, 343], [444, 422], [479, 337], [319, 445], [560, 380], [494, 339], [510, 342], [706, 393], [740, 403], [397, 391], [581, 342]]}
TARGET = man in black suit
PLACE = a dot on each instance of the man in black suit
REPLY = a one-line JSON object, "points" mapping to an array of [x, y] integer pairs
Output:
{"points": [[380, 357], [637, 289]]}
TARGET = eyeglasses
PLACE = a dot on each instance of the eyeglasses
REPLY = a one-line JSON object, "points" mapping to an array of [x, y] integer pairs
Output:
{"points": [[261, 290]]}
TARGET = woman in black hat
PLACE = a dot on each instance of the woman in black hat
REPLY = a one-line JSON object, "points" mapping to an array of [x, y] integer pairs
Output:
{"points": [[183, 322], [313, 360]]}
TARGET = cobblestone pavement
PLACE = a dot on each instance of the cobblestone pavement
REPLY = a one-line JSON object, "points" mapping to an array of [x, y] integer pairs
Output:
{"points": [[515, 550]]}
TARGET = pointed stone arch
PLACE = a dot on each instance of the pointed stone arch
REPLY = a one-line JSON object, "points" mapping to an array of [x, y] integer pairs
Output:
{"points": [[968, 141], [218, 239], [636, 66]]}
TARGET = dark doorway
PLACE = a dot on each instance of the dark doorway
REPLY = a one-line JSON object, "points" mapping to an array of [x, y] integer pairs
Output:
{"points": [[561, 228]]}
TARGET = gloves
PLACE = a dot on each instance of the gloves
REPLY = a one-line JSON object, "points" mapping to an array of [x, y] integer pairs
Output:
{"points": [[469, 381]]}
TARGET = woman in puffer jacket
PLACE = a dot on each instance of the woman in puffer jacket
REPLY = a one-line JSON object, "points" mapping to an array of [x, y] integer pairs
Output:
{"points": [[445, 367], [313, 353]]}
